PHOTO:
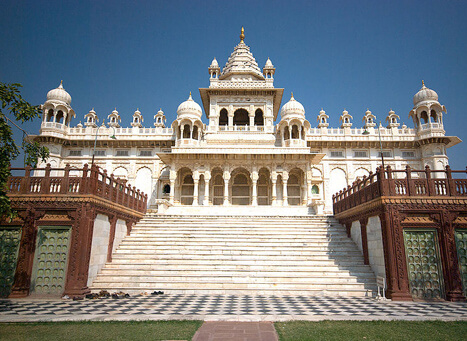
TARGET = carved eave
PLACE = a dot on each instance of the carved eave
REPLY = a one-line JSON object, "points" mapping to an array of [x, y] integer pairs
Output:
{"points": [[105, 143], [349, 143], [276, 92], [449, 141], [169, 158]]}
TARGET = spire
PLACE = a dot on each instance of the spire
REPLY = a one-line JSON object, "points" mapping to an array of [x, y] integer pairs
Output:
{"points": [[291, 96], [242, 35], [61, 84]]}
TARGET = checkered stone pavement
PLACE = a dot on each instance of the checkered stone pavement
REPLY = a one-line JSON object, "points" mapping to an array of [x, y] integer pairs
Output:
{"points": [[227, 307]]}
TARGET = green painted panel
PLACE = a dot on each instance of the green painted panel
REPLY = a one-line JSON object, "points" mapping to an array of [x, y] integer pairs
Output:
{"points": [[50, 261], [461, 244], [423, 264], [9, 246]]}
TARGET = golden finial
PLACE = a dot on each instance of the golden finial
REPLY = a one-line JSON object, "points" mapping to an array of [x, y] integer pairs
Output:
{"points": [[423, 82], [190, 93], [291, 95], [242, 35], [61, 82]]}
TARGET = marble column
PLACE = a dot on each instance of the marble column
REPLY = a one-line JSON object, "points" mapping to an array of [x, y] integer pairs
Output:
{"points": [[195, 192], [226, 177], [285, 179], [207, 177]]}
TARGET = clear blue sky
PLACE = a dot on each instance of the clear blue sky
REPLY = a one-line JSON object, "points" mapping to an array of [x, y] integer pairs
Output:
{"points": [[151, 54]]}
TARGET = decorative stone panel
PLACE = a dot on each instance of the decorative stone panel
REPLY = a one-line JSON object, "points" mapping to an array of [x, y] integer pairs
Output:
{"points": [[9, 245], [50, 261], [461, 245], [423, 264]]}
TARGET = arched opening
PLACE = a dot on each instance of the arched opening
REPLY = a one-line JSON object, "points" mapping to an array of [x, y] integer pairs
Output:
{"points": [[424, 117], [166, 189], [218, 190], [223, 118], [315, 189], [186, 131], [323, 120], [434, 115], [186, 197], [259, 119], [143, 181], [50, 115], [393, 120], [303, 133], [337, 180], [346, 120], [294, 190], [286, 133], [263, 189], [59, 117], [240, 190], [195, 132], [295, 132], [241, 117]]}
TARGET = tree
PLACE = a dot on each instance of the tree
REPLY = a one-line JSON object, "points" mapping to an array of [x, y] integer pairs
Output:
{"points": [[15, 109]]}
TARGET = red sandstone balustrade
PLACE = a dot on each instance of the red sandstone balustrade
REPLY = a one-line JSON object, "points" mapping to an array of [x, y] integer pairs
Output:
{"points": [[82, 181], [406, 182]]}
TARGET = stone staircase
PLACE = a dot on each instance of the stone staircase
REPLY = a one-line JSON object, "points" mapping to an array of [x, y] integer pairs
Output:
{"points": [[307, 255]]}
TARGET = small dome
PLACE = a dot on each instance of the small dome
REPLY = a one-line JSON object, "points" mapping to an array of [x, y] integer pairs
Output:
{"points": [[391, 112], [269, 63], [137, 112], [214, 63], [92, 112], [367, 112], [292, 107], [115, 112], [345, 112], [160, 112], [59, 94], [322, 112], [189, 107], [425, 94]]}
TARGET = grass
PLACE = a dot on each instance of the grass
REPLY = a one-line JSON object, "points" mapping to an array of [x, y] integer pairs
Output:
{"points": [[96, 331], [371, 330]]}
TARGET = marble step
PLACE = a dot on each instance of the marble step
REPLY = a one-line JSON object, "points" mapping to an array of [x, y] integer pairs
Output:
{"points": [[283, 273], [195, 285], [331, 268]]}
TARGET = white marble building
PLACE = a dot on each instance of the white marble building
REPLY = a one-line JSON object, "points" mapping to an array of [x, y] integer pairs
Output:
{"points": [[251, 152]]}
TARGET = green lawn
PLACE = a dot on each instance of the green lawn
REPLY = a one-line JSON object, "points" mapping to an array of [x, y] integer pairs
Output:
{"points": [[96, 331], [371, 330]]}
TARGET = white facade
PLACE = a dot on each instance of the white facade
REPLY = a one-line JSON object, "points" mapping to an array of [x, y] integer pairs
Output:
{"points": [[252, 152]]}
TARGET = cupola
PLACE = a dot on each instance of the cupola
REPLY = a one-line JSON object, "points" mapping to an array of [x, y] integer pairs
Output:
{"points": [[137, 119], [189, 108], [346, 119], [323, 119], [292, 108], [159, 119], [114, 119], [59, 94], [392, 119], [369, 119], [90, 119]]}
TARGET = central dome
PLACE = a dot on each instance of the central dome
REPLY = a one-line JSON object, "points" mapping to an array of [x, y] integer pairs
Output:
{"points": [[241, 61]]}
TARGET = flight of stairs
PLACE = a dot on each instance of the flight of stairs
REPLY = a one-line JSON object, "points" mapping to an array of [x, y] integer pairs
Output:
{"points": [[238, 255]]}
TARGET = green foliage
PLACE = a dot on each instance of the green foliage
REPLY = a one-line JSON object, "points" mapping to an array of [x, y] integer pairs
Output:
{"points": [[97, 331], [371, 330], [15, 108]]}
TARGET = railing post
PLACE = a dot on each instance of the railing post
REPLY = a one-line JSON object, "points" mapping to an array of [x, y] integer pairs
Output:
{"points": [[111, 187], [64, 188], [451, 184], [381, 182], [45, 185], [84, 179], [429, 181], [26, 181], [409, 183]]}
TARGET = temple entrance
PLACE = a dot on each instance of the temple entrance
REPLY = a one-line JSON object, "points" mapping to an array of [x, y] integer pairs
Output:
{"points": [[218, 190], [186, 197], [240, 190]]}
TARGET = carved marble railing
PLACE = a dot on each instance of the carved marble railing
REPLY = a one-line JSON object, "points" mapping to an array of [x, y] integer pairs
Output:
{"points": [[404, 183], [84, 181]]}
